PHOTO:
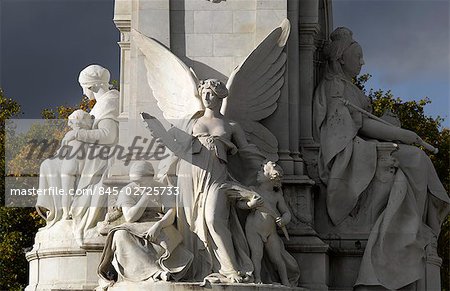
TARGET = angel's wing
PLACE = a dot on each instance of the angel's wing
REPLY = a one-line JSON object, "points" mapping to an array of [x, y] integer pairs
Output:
{"points": [[174, 85], [255, 86]]}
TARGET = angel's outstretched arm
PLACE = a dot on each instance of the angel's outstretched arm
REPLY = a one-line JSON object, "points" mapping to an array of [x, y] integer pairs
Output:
{"points": [[175, 139], [157, 130]]}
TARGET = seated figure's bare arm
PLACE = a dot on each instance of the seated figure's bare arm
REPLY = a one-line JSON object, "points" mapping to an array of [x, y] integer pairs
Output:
{"points": [[154, 231], [375, 129], [132, 213], [168, 218], [106, 133]]}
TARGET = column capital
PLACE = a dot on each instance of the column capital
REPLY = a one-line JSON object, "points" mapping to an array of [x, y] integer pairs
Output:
{"points": [[308, 33]]}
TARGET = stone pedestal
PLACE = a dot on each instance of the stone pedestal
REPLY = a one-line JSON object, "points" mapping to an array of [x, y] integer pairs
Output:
{"points": [[312, 256], [58, 263], [167, 286], [305, 244]]}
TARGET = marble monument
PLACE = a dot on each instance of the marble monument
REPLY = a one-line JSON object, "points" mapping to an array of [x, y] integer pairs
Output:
{"points": [[280, 176]]}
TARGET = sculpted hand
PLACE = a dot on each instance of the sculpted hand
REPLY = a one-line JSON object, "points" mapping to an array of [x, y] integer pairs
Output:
{"points": [[281, 221], [409, 137], [153, 233], [71, 135], [255, 201]]}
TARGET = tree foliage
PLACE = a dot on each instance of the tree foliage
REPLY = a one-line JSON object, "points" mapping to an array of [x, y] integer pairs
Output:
{"points": [[412, 116], [52, 128], [18, 226], [8, 109], [63, 111]]}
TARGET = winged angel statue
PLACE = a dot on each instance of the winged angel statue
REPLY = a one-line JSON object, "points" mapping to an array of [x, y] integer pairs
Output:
{"points": [[218, 145]]}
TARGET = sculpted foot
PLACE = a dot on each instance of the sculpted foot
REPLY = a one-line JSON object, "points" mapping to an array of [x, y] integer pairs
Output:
{"points": [[165, 276], [235, 278]]}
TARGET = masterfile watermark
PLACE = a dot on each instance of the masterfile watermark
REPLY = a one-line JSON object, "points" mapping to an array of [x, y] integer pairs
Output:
{"points": [[92, 151]]}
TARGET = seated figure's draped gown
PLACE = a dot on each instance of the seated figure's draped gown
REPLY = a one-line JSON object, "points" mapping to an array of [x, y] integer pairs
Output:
{"points": [[417, 203], [86, 210], [128, 255]]}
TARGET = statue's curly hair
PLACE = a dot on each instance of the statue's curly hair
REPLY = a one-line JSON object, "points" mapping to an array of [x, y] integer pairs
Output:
{"points": [[274, 172], [215, 85]]}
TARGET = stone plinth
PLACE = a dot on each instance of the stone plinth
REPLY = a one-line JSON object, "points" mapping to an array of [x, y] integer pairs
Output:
{"points": [[167, 286], [57, 262]]}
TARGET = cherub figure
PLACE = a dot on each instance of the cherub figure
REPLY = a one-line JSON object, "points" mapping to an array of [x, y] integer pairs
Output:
{"points": [[269, 210], [73, 154]]}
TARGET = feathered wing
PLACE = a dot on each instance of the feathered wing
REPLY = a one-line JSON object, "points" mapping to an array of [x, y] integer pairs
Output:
{"points": [[254, 88], [174, 85]]}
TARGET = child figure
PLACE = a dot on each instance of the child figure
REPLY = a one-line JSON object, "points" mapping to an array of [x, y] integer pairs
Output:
{"points": [[269, 210], [73, 154]]}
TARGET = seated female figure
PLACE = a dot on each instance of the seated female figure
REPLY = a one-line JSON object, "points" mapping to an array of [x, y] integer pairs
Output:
{"points": [[348, 137], [147, 246]]}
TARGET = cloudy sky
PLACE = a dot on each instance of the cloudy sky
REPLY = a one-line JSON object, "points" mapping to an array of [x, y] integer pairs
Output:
{"points": [[406, 46], [45, 43]]}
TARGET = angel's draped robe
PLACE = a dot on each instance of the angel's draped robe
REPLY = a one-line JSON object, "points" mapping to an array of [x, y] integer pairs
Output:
{"points": [[206, 207]]}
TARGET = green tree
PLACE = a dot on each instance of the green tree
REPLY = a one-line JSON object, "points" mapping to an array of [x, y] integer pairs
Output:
{"points": [[8, 109], [17, 225], [412, 116]]}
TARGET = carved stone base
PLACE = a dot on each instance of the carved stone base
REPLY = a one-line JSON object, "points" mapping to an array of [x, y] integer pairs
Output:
{"points": [[311, 254], [58, 263], [344, 267], [167, 286]]}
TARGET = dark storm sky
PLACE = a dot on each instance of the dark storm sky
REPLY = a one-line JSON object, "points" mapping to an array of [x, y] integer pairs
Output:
{"points": [[44, 45]]}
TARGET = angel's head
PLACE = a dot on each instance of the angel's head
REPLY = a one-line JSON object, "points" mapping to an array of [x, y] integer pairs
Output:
{"points": [[272, 173], [212, 91]]}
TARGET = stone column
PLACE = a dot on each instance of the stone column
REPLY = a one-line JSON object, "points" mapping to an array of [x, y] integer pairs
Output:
{"points": [[309, 28], [122, 20], [293, 64], [151, 18]]}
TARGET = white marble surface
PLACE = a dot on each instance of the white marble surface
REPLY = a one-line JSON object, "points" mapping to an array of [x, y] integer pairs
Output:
{"points": [[164, 286]]}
